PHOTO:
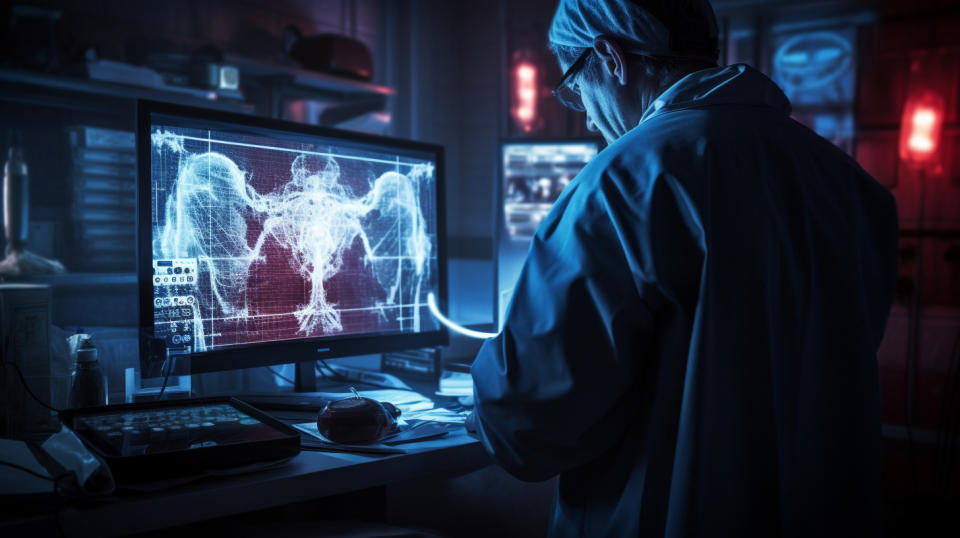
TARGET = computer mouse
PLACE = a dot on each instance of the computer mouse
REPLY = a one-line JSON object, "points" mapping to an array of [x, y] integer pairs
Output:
{"points": [[357, 420]]}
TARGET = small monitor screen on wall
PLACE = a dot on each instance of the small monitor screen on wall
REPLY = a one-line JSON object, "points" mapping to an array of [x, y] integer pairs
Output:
{"points": [[817, 71]]}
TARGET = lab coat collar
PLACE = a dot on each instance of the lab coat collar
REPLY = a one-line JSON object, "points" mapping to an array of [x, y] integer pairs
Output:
{"points": [[733, 84]]}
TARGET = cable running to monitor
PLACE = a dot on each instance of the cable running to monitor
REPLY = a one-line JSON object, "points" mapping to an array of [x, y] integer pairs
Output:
{"points": [[432, 305]]}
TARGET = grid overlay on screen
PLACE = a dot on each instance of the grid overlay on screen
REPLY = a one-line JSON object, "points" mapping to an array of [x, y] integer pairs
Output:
{"points": [[259, 239]]}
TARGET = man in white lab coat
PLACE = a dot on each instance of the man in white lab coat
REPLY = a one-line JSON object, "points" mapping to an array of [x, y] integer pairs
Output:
{"points": [[691, 345]]}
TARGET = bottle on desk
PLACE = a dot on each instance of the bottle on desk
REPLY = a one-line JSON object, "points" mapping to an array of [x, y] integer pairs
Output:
{"points": [[88, 385]]}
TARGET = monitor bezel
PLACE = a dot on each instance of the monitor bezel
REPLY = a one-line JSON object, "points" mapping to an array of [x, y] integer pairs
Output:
{"points": [[282, 352], [498, 225]]}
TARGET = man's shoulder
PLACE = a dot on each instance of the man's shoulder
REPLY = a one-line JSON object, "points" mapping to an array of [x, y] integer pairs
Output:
{"points": [[647, 151], [659, 136]]}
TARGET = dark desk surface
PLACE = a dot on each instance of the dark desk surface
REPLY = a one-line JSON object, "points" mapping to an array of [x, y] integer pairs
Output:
{"points": [[310, 475]]}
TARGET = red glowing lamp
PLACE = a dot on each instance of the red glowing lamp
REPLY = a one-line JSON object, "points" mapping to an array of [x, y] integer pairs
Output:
{"points": [[920, 130], [525, 95]]}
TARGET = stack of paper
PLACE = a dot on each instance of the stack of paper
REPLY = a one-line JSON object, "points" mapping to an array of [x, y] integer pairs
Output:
{"points": [[456, 384]]}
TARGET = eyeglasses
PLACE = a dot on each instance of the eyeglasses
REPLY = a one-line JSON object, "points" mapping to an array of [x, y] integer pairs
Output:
{"points": [[568, 96]]}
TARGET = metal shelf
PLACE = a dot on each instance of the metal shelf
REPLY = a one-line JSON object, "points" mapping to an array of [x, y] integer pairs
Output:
{"points": [[280, 83], [78, 93]]}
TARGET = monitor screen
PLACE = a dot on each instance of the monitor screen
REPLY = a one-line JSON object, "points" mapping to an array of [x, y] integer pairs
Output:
{"points": [[264, 233], [533, 174]]}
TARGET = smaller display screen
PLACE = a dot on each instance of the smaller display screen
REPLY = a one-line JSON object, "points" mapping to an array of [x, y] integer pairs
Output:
{"points": [[169, 429], [534, 175]]}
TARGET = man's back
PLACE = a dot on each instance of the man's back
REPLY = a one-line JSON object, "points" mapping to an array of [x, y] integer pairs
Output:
{"points": [[764, 260]]}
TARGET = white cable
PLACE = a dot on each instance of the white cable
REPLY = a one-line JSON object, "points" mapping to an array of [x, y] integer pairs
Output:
{"points": [[432, 304]]}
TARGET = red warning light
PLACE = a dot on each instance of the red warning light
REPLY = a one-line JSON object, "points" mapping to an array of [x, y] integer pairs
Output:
{"points": [[525, 110], [920, 129]]}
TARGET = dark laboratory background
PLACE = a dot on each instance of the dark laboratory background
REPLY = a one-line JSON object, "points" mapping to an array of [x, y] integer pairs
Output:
{"points": [[881, 80]]}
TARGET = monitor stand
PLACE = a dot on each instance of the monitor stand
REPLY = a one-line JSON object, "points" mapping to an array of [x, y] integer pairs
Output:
{"points": [[305, 376], [310, 392]]}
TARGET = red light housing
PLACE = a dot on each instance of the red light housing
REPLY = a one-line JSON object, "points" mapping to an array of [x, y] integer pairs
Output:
{"points": [[525, 95], [920, 130]]}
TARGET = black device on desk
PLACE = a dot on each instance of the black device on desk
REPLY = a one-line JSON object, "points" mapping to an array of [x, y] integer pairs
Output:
{"points": [[166, 439], [266, 242]]}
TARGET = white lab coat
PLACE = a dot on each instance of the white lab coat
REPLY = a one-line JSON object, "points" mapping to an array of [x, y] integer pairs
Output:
{"points": [[692, 342]]}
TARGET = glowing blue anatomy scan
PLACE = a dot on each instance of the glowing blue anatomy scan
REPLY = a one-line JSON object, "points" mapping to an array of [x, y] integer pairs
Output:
{"points": [[259, 240]]}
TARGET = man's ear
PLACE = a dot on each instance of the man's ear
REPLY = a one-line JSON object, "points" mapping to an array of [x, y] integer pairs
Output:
{"points": [[613, 59]]}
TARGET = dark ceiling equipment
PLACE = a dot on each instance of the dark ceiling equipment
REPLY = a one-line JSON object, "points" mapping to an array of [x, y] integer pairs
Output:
{"points": [[330, 53]]}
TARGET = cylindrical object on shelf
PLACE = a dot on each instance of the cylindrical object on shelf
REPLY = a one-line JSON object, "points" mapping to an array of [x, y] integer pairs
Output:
{"points": [[16, 197]]}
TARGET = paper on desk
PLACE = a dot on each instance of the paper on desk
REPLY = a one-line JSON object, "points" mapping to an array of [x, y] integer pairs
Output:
{"points": [[455, 384], [319, 441], [16, 482], [415, 410], [439, 414], [417, 430]]}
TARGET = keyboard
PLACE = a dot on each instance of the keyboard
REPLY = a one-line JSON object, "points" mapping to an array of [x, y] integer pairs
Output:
{"points": [[165, 439], [170, 424]]}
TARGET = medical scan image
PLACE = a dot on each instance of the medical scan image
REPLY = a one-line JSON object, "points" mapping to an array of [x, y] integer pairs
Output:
{"points": [[261, 239]]}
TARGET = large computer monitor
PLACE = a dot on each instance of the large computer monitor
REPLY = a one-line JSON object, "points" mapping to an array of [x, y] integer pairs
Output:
{"points": [[265, 242], [533, 173]]}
